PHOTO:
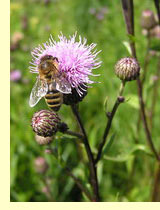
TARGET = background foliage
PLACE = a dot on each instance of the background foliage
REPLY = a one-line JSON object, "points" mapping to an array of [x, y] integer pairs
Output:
{"points": [[126, 173]]}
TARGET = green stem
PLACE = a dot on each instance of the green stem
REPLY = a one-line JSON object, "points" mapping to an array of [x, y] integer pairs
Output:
{"points": [[48, 191], [109, 123], [79, 184], [156, 187], [157, 5], [77, 181], [93, 171], [72, 133]]}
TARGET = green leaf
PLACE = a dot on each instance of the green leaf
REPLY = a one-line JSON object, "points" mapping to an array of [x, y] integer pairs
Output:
{"points": [[129, 163], [109, 144], [118, 158], [105, 103], [155, 45], [127, 46], [100, 171], [132, 100], [55, 152], [68, 187], [131, 38], [129, 155]]}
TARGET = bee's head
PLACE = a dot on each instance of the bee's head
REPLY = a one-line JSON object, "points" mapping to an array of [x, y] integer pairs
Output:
{"points": [[44, 67], [46, 63], [48, 58]]}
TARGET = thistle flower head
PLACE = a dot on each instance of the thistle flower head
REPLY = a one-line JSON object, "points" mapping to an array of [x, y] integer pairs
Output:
{"points": [[15, 75], [127, 69], [76, 59], [45, 123]]}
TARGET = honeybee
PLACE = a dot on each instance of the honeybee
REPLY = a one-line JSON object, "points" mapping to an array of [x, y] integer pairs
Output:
{"points": [[50, 84]]}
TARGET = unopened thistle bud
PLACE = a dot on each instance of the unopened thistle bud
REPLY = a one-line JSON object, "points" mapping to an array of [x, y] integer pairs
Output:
{"points": [[74, 97], [121, 99], [127, 69], [45, 123], [148, 20], [41, 165], [43, 140]]}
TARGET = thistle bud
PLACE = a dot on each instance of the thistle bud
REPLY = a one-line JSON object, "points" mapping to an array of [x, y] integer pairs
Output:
{"points": [[155, 32], [121, 99], [43, 140], [74, 97], [127, 69], [48, 151], [45, 123], [148, 20], [40, 165]]}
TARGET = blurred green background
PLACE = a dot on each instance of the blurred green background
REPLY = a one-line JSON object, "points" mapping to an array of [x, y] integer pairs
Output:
{"points": [[126, 173]]}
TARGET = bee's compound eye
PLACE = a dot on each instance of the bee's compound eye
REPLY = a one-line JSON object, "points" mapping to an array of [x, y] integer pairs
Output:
{"points": [[49, 56], [55, 59]]}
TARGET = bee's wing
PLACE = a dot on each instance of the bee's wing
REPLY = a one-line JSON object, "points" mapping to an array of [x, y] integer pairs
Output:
{"points": [[62, 86], [37, 92]]}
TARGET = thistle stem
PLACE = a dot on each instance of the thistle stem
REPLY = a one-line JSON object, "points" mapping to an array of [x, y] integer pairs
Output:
{"points": [[109, 123], [72, 133], [156, 187], [128, 10], [145, 68], [77, 181], [48, 191], [144, 119], [93, 171], [147, 57], [157, 5], [79, 184]]}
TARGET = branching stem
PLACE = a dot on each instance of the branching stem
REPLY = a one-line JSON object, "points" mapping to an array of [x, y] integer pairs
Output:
{"points": [[79, 184], [77, 181], [93, 171], [109, 123]]}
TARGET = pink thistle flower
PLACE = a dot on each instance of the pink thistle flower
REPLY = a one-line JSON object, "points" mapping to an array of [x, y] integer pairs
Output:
{"points": [[15, 75], [76, 59]]}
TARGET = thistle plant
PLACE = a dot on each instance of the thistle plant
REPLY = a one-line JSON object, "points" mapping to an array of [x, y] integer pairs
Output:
{"points": [[73, 71], [76, 61]]}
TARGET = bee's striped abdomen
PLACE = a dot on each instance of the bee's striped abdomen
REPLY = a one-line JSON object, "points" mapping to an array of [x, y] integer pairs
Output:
{"points": [[54, 99]]}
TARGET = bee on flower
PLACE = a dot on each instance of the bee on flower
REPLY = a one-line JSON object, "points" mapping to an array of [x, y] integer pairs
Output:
{"points": [[63, 68]]}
